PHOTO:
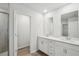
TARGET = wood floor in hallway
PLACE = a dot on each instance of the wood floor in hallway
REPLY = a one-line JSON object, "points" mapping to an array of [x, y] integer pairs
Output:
{"points": [[26, 52]]}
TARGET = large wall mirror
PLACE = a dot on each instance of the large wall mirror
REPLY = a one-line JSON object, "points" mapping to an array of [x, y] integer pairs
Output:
{"points": [[49, 26], [70, 24]]}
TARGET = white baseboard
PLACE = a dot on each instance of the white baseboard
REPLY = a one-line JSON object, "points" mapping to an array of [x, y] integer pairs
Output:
{"points": [[33, 51], [22, 47]]}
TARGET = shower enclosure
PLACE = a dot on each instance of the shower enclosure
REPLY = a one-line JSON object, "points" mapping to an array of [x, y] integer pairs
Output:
{"points": [[4, 37]]}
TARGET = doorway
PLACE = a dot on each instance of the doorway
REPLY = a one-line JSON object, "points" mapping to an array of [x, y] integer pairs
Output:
{"points": [[21, 34]]}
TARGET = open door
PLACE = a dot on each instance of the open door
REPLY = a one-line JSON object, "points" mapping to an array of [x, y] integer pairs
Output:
{"points": [[21, 31]]}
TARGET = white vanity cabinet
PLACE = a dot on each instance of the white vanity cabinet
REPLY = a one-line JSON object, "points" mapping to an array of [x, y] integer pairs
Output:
{"points": [[43, 45], [54, 47]]}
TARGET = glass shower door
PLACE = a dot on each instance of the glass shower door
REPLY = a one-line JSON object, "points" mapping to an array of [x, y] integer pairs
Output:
{"points": [[4, 37]]}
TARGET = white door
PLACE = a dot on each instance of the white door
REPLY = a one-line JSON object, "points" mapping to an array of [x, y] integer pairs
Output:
{"points": [[21, 31]]}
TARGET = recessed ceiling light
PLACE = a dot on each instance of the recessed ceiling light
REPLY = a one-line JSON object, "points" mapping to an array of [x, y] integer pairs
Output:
{"points": [[45, 11]]}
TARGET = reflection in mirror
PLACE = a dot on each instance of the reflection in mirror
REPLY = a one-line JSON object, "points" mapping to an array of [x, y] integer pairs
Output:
{"points": [[70, 24]]}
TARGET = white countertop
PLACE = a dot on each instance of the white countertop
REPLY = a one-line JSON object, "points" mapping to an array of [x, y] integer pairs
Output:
{"points": [[74, 41]]}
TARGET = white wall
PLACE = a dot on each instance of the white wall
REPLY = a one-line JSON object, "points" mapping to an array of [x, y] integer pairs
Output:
{"points": [[57, 16], [36, 25]]}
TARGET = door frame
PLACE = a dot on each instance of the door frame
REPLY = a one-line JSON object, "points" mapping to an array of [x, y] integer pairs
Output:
{"points": [[15, 31], [7, 30]]}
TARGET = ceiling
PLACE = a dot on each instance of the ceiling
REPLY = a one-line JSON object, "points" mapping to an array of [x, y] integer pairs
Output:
{"points": [[40, 7]]}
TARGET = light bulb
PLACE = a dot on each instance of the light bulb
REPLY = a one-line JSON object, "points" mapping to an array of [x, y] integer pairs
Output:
{"points": [[45, 11]]}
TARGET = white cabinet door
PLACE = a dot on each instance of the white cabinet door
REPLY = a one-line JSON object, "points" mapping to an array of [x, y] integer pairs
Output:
{"points": [[51, 48], [72, 52], [64, 49], [46, 46], [40, 44], [60, 50], [43, 45]]}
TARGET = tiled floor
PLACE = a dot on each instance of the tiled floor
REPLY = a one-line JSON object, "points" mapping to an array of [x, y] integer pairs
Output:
{"points": [[26, 52]]}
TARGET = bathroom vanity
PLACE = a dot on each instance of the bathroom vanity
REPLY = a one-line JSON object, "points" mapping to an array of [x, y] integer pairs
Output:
{"points": [[54, 46], [66, 44]]}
